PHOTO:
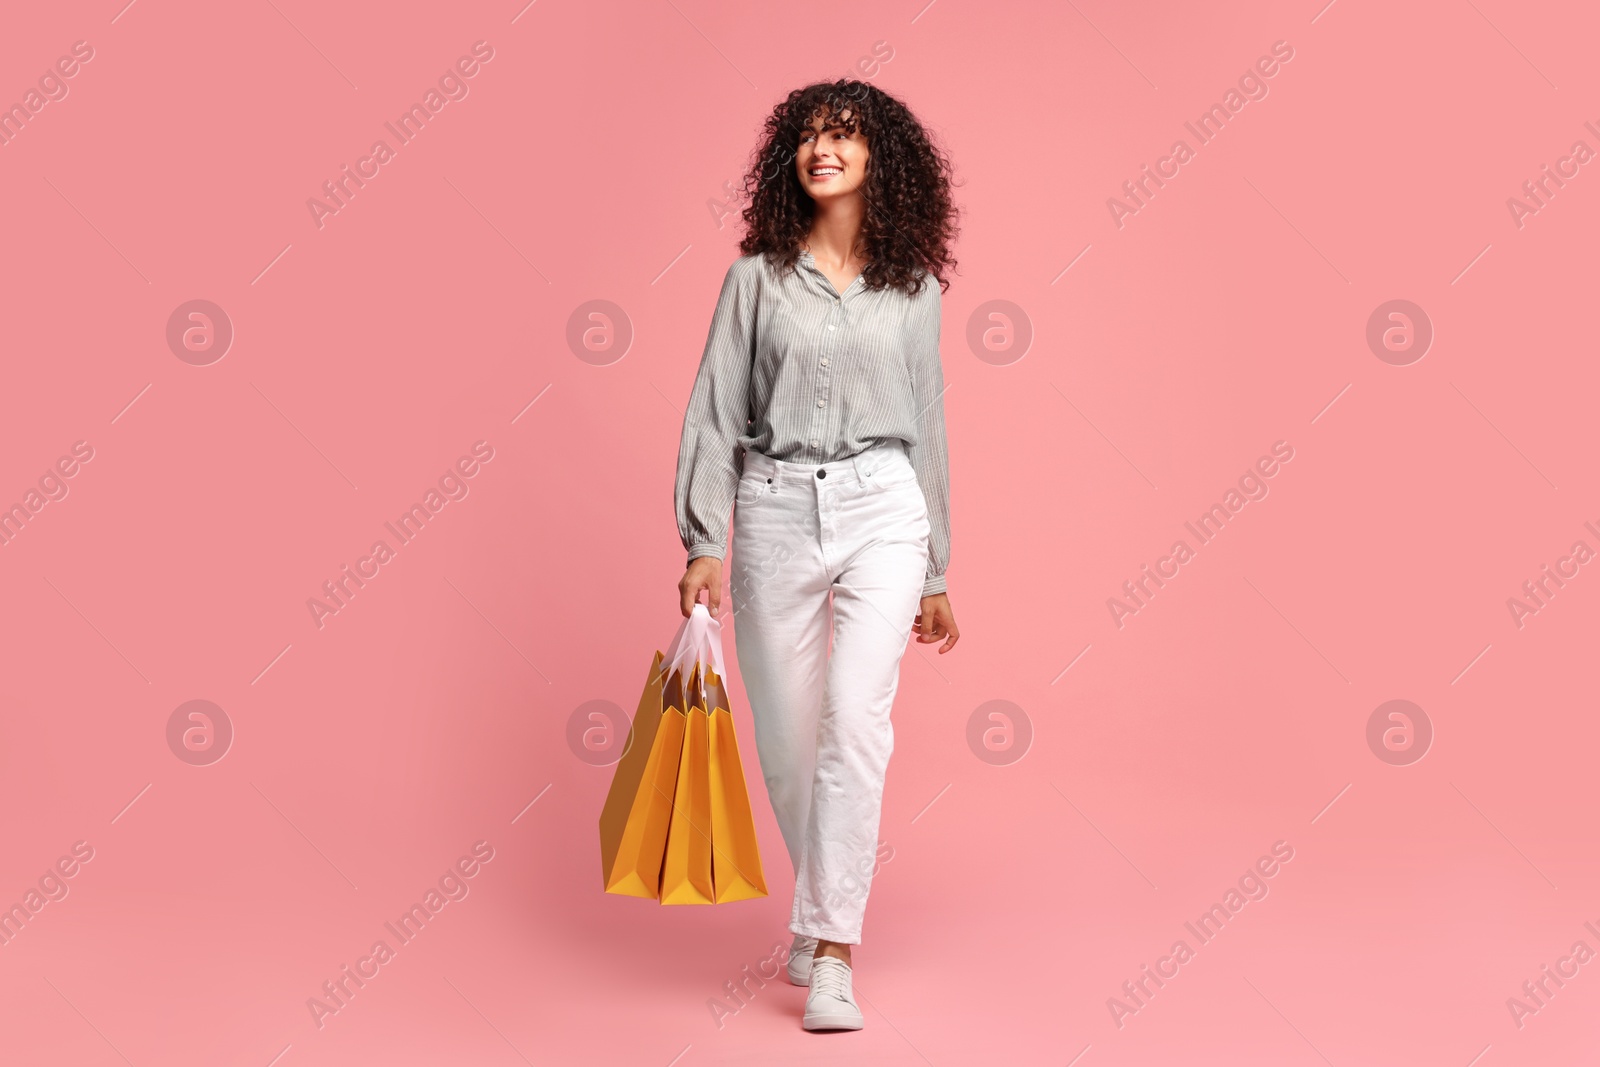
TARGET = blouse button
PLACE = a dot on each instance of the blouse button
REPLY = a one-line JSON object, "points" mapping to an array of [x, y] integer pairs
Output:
{"points": [[831, 326], [824, 361], [820, 402]]}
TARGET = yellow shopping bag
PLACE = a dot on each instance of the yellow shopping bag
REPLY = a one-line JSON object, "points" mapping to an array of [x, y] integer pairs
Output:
{"points": [[638, 809], [686, 874], [736, 859], [677, 824]]}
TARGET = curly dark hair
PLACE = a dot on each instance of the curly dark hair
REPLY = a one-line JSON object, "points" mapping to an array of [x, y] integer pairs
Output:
{"points": [[909, 220]]}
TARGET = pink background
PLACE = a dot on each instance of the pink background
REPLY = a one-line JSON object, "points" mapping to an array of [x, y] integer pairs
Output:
{"points": [[586, 164]]}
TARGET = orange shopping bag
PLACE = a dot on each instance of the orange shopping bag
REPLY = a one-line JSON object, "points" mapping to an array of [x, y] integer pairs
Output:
{"points": [[736, 859], [638, 809], [677, 824], [686, 873]]}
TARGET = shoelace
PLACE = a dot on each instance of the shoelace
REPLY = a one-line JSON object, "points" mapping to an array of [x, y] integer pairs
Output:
{"points": [[831, 978]]}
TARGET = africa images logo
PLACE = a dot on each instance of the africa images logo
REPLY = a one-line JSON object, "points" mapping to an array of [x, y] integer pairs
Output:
{"points": [[452, 86], [452, 486]]}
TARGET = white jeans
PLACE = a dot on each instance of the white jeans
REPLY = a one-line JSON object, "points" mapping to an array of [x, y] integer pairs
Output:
{"points": [[858, 529]]}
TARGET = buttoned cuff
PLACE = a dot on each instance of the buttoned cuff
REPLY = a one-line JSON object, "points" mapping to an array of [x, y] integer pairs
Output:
{"points": [[704, 549], [933, 585]]}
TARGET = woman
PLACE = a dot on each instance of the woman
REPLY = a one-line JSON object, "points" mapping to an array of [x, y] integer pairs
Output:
{"points": [[818, 416]]}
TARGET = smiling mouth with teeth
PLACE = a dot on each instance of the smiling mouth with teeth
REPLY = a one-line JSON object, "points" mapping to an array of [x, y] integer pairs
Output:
{"points": [[826, 172]]}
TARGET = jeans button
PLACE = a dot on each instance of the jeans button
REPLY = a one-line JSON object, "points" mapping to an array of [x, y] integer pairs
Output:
{"points": [[822, 474]]}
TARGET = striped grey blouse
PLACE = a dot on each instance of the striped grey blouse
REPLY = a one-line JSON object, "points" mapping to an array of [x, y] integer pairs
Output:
{"points": [[796, 371]]}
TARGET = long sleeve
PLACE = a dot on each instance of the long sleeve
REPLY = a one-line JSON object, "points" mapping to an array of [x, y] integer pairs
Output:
{"points": [[930, 454], [717, 415]]}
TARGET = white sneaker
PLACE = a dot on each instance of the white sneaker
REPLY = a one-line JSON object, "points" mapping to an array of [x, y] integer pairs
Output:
{"points": [[800, 959], [831, 1005]]}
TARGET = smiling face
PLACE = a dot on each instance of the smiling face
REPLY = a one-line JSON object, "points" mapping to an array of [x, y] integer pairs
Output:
{"points": [[830, 160]]}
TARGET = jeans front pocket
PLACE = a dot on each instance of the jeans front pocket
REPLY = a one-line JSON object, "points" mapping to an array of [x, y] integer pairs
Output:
{"points": [[892, 476], [753, 489]]}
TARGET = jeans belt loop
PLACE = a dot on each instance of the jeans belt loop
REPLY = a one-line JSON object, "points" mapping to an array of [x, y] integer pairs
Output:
{"points": [[864, 464]]}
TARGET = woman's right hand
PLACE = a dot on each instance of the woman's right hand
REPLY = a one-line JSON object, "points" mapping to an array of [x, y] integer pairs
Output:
{"points": [[705, 572]]}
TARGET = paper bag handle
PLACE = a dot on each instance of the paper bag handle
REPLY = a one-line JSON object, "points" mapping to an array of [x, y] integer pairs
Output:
{"points": [[699, 639]]}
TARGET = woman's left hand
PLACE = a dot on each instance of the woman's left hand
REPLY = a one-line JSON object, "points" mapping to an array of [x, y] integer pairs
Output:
{"points": [[936, 622]]}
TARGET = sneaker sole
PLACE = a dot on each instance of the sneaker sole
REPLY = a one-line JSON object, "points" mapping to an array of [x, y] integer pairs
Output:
{"points": [[832, 1022]]}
